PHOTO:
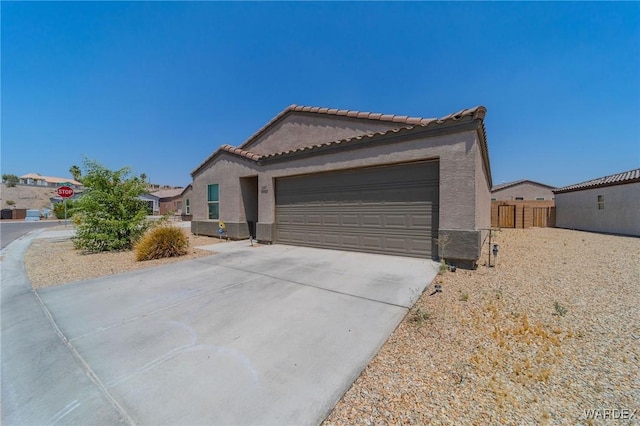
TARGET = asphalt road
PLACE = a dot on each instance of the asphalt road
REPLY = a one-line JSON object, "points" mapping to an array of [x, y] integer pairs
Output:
{"points": [[11, 231]]}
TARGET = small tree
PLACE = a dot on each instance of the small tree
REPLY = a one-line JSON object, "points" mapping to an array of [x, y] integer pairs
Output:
{"points": [[109, 216], [11, 202], [10, 180]]}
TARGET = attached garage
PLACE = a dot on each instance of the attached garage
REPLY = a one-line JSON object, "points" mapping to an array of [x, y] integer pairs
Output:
{"points": [[389, 209], [351, 180]]}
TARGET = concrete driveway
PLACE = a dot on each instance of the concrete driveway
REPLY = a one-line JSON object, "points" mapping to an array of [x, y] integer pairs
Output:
{"points": [[252, 335]]}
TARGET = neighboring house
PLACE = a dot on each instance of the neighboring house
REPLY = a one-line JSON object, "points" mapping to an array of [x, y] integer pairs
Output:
{"points": [[353, 180], [186, 202], [608, 204], [153, 203], [522, 190], [169, 200], [522, 204], [49, 181]]}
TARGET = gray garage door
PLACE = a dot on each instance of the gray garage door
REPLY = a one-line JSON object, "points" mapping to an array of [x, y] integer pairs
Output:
{"points": [[388, 210]]}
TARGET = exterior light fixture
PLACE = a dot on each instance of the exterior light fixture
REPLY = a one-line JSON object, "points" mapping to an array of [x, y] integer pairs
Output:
{"points": [[495, 253]]}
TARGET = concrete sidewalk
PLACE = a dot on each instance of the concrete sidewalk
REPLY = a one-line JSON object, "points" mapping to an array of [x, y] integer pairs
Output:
{"points": [[43, 381], [253, 335]]}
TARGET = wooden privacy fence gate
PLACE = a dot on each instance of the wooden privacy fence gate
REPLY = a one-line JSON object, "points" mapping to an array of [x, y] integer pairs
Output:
{"points": [[523, 214], [542, 216], [506, 216]]}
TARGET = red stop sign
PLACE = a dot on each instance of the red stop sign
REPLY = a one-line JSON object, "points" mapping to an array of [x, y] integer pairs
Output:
{"points": [[65, 191]]}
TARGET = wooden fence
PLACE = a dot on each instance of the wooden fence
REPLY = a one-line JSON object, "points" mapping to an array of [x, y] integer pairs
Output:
{"points": [[523, 214]]}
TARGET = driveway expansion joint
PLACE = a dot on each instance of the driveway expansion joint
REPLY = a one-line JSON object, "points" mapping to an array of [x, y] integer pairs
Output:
{"points": [[93, 377], [318, 287]]}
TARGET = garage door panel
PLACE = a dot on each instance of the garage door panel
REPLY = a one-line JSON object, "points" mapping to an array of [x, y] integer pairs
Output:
{"points": [[313, 238], [314, 219], [421, 220], [391, 210], [396, 220], [371, 220], [332, 240], [350, 241]]}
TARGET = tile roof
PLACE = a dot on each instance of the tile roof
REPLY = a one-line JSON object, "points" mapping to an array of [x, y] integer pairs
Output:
{"points": [[50, 179], [168, 193], [478, 112], [518, 182], [630, 176]]}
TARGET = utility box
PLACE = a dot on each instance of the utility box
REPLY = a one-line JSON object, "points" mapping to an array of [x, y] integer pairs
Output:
{"points": [[32, 216]]}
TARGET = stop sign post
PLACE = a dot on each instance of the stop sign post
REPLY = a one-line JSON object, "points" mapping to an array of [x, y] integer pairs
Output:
{"points": [[65, 192]]}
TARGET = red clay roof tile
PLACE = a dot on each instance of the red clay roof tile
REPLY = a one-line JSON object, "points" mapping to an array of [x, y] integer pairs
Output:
{"points": [[476, 113]]}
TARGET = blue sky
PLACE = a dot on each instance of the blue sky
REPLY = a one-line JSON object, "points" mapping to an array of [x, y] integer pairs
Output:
{"points": [[159, 86]]}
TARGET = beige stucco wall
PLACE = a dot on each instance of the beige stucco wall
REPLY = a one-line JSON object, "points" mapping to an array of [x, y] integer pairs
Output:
{"points": [[483, 195], [297, 130], [464, 191], [187, 194], [621, 213], [526, 190]]}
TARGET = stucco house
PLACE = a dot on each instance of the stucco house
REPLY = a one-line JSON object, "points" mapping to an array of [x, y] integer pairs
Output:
{"points": [[169, 200], [153, 203], [522, 190], [351, 180], [186, 202], [608, 204], [48, 181]]}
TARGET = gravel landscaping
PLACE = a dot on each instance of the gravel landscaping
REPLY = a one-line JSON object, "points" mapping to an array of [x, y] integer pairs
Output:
{"points": [[550, 335], [55, 261]]}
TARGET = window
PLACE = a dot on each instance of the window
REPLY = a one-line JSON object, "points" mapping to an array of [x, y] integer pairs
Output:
{"points": [[519, 199], [187, 207], [600, 202], [213, 201], [540, 198], [493, 199]]}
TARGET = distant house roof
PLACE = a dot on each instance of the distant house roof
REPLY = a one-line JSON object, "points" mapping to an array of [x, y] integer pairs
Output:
{"points": [[406, 125], [623, 178], [168, 193], [518, 182], [50, 179]]}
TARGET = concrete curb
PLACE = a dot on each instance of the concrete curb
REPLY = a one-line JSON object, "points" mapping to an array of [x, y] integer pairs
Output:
{"points": [[42, 381]]}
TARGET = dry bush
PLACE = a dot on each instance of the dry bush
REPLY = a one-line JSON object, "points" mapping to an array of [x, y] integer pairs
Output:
{"points": [[160, 242]]}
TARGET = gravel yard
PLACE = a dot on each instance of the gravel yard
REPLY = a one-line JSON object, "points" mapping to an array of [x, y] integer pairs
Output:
{"points": [[55, 261], [549, 333]]}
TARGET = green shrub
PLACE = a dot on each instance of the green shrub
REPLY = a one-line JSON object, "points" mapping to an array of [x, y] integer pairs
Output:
{"points": [[160, 242], [109, 216]]}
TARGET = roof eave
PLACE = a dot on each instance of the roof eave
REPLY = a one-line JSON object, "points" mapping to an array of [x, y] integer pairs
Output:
{"points": [[595, 186]]}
